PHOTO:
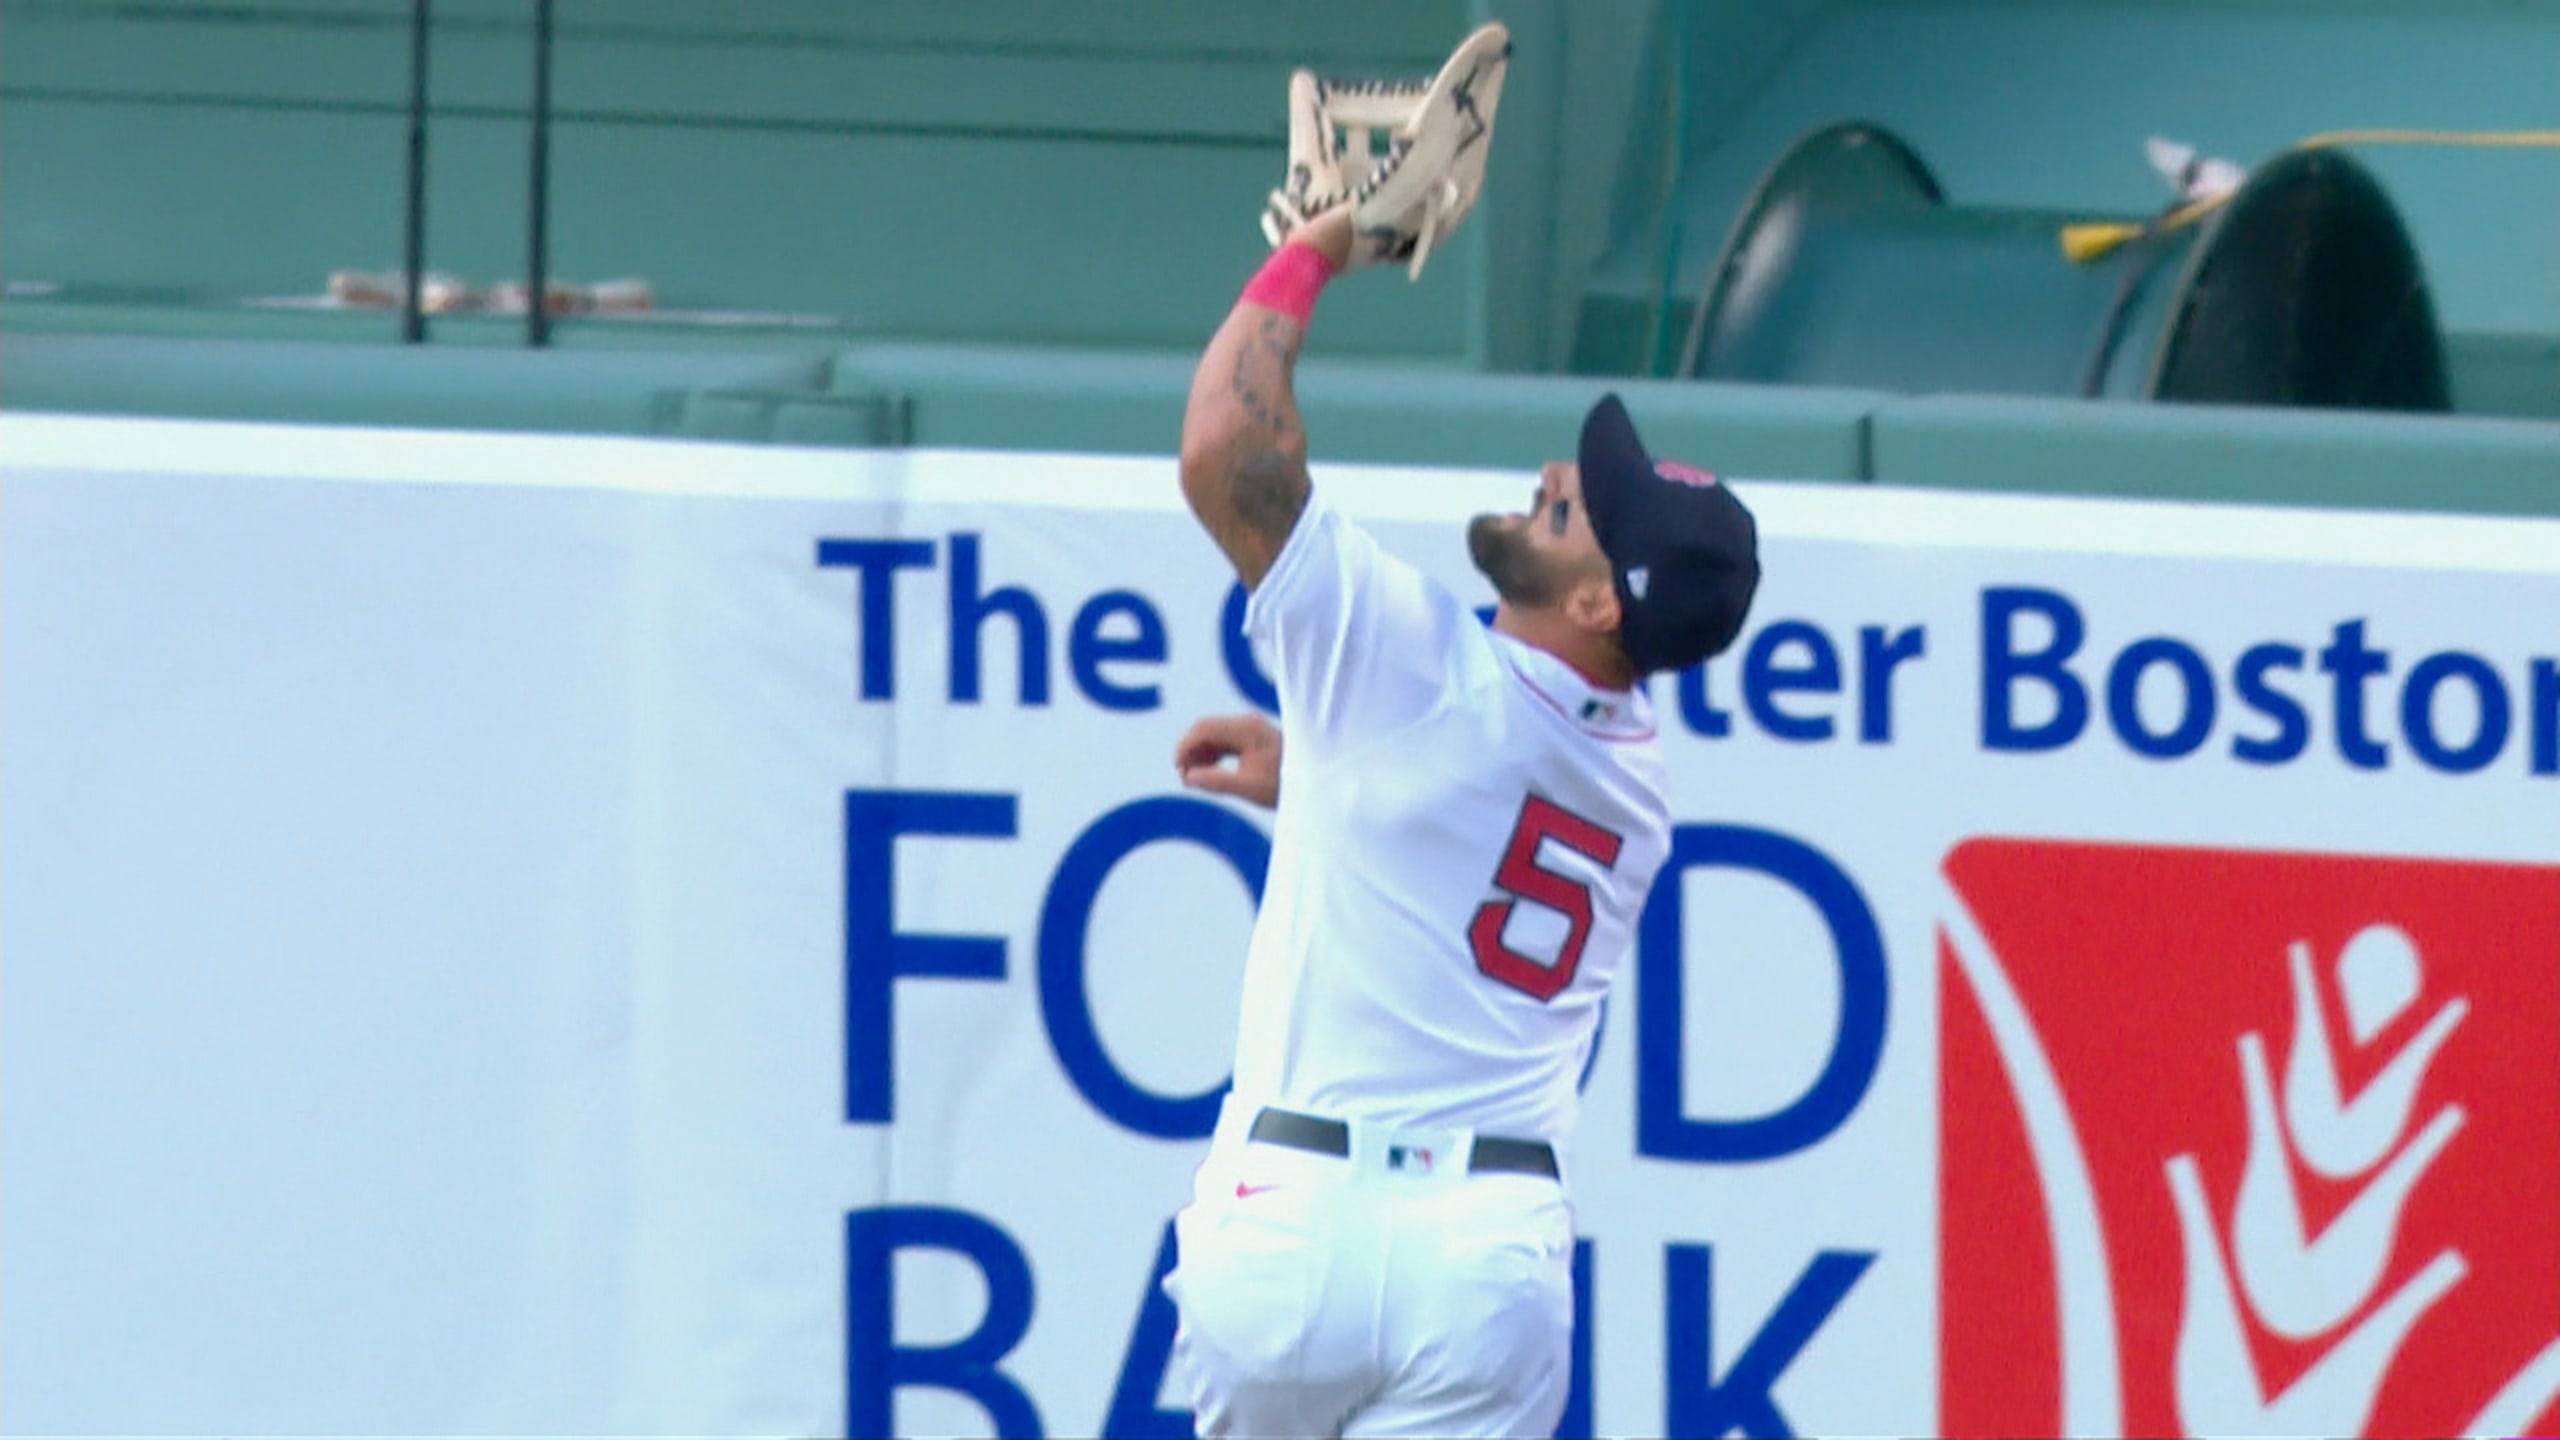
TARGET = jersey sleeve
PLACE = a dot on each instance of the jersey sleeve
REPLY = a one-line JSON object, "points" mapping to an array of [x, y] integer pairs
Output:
{"points": [[1361, 643]]}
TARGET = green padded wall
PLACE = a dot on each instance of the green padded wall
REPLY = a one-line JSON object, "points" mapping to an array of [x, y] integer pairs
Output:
{"points": [[2458, 464], [1017, 398], [967, 169], [435, 386], [1017, 221], [1354, 410]]}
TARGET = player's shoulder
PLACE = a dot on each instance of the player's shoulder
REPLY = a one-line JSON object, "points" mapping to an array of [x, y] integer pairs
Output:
{"points": [[1329, 546], [1410, 602]]}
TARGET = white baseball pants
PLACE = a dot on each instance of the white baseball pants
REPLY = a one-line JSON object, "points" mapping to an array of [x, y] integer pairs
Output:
{"points": [[1389, 1292]]}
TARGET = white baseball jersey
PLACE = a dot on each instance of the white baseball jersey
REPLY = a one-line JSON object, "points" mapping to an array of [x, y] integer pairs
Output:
{"points": [[1467, 834]]}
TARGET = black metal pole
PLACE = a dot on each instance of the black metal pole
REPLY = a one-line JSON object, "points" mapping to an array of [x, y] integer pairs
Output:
{"points": [[413, 319], [537, 315]]}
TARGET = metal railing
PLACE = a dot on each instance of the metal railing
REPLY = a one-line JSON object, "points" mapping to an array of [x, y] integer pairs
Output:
{"points": [[537, 310]]}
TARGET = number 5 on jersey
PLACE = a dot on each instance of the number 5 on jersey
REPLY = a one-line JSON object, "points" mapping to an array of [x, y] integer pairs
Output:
{"points": [[1522, 878]]}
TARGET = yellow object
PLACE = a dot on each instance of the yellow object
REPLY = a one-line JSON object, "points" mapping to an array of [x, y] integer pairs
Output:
{"points": [[2097, 239]]}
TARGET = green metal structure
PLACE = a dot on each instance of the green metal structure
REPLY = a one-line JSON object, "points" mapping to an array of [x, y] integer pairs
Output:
{"points": [[1002, 224]]}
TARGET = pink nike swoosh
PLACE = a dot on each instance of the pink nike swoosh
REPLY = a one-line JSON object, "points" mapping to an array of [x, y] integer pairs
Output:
{"points": [[1243, 1190]]}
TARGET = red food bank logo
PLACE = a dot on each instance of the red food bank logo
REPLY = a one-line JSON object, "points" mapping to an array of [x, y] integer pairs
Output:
{"points": [[2247, 1144]]}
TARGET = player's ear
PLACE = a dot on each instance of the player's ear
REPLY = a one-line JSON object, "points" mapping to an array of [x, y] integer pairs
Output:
{"points": [[1593, 602]]}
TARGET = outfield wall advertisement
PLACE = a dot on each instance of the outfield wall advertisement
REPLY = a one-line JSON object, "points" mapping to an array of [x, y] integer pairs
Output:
{"points": [[508, 935]]}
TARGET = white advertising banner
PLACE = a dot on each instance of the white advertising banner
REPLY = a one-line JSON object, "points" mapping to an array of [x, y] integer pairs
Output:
{"points": [[508, 935]]}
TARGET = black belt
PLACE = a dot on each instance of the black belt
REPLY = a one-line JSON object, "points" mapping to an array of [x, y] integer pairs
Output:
{"points": [[1291, 1130]]}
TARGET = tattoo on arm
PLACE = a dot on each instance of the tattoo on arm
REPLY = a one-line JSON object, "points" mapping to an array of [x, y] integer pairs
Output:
{"points": [[1267, 485], [1266, 369], [1245, 450], [1270, 488]]}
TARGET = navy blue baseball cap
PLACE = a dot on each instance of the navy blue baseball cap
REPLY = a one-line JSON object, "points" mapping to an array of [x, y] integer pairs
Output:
{"points": [[1685, 552]]}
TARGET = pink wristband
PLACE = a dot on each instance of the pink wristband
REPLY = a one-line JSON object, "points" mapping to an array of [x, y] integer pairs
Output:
{"points": [[1290, 281]]}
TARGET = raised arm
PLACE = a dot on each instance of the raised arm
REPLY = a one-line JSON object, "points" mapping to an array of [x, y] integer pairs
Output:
{"points": [[1244, 453]]}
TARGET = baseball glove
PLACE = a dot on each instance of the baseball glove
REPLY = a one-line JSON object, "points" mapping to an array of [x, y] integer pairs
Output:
{"points": [[1412, 196]]}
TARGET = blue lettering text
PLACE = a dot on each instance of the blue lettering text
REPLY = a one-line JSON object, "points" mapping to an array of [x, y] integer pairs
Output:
{"points": [[2004, 667], [2195, 706], [1068, 912], [2546, 717], [2293, 727], [2352, 664], [1877, 657], [1662, 1130], [878, 562], [1764, 679], [2418, 719], [1089, 649], [876, 955], [1745, 1397], [971, 610], [877, 1366]]}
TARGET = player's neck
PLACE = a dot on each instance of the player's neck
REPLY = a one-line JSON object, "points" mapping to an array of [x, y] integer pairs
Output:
{"points": [[1598, 660]]}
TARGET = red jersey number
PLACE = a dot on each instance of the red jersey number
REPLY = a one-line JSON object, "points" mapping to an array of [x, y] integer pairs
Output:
{"points": [[1522, 878]]}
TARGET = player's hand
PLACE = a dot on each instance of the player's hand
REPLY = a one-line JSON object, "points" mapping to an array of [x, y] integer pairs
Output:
{"points": [[1236, 755], [1331, 235]]}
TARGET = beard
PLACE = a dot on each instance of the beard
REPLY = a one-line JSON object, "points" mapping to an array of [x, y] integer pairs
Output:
{"points": [[1499, 546]]}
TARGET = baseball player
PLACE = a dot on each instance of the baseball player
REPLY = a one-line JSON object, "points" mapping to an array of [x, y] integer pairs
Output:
{"points": [[1380, 1240]]}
